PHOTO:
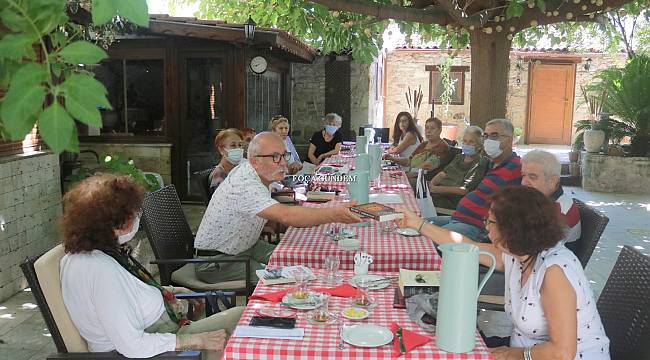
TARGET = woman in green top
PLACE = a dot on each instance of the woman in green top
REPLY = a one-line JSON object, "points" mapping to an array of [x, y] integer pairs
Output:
{"points": [[464, 172]]}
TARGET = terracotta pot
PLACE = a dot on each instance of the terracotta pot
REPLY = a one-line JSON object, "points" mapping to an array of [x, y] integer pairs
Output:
{"points": [[594, 140], [574, 156], [574, 169], [449, 131]]}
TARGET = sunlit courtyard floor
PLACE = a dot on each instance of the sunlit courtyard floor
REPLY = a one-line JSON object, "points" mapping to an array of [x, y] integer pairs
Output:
{"points": [[24, 336]]}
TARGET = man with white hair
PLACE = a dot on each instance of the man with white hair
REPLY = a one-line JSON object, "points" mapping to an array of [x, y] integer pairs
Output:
{"points": [[504, 169], [541, 170], [242, 204]]}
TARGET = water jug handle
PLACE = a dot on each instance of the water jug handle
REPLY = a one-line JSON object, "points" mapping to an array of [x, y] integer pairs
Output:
{"points": [[489, 272]]}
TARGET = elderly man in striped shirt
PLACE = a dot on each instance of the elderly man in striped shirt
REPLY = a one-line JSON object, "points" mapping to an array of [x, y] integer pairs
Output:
{"points": [[504, 169]]}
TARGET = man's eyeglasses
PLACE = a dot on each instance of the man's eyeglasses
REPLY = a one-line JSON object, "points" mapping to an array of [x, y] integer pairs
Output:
{"points": [[494, 136], [277, 157], [487, 222]]}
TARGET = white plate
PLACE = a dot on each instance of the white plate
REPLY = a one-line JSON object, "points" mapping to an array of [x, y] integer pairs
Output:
{"points": [[367, 335], [407, 232], [315, 300], [364, 313], [349, 244], [354, 281]]}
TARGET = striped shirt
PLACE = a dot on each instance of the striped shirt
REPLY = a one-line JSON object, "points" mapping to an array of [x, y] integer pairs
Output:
{"points": [[473, 207], [569, 213]]}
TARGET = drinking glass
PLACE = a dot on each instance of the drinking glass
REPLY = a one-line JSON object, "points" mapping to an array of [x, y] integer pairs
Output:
{"points": [[332, 264], [389, 226], [362, 298], [301, 278]]}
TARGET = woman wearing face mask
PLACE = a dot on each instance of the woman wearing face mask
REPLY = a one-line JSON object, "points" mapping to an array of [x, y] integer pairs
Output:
{"points": [[547, 295], [464, 172], [114, 302], [326, 142], [280, 125], [229, 144]]}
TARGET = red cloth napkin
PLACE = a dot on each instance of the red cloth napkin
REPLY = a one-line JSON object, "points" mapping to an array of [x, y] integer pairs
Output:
{"points": [[272, 296], [345, 290], [411, 339]]}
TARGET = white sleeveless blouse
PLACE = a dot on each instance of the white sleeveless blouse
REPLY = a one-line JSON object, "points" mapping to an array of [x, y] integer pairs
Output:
{"points": [[524, 306]]}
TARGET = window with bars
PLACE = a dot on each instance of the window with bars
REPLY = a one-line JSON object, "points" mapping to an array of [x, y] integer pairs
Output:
{"points": [[436, 88], [263, 98]]}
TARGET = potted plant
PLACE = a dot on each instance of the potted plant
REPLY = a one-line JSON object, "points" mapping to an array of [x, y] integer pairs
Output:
{"points": [[116, 164], [628, 101], [589, 132], [517, 135], [574, 154]]}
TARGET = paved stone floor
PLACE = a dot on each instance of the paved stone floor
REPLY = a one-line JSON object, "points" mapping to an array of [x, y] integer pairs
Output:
{"points": [[23, 335]]}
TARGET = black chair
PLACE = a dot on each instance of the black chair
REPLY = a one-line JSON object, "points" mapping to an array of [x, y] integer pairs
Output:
{"points": [[201, 180], [624, 306], [592, 225], [172, 242], [42, 274]]}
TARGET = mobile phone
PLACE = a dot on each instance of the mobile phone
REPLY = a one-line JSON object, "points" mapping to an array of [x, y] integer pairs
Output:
{"points": [[274, 322]]}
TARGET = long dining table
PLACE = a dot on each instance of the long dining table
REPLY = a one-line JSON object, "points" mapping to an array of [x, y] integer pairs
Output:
{"points": [[391, 251]]}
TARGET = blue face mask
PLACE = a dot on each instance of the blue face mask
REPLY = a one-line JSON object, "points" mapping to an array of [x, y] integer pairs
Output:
{"points": [[469, 150], [331, 129]]}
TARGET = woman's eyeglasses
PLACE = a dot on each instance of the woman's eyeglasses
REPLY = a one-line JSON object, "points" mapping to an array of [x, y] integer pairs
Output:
{"points": [[277, 157], [487, 222]]}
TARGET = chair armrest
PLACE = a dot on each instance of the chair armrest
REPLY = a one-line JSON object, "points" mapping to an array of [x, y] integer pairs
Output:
{"points": [[196, 295], [176, 355], [444, 211], [198, 261]]}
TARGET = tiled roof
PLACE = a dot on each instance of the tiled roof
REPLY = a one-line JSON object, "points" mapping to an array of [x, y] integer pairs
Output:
{"points": [[280, 39], [524, 49]]}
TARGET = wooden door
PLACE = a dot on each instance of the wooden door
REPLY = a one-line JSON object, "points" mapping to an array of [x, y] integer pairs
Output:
{"points": [[550, 103]]}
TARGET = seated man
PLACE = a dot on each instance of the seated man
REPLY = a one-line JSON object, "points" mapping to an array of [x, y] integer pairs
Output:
{"points": [[541, 170], [504, 169], [242, 204]]}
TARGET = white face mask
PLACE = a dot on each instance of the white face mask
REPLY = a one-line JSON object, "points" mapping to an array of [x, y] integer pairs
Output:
{"points": [[492, 148], [234, 156], [134, 229]]}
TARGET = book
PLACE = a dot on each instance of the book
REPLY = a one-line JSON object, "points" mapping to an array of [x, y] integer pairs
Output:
{"points": [[320, 196], [413, 282], [377, 211], [284, 197], [399, 301]]}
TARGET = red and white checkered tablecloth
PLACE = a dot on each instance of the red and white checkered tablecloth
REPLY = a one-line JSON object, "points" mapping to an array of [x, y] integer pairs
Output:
{"points": [[391, 251], [321, 342]]}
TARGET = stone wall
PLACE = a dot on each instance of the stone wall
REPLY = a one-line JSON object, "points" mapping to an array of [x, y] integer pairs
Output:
{"points": [[406, 67], [147, 157], [308, 99], [615, 174], [30, 204]]}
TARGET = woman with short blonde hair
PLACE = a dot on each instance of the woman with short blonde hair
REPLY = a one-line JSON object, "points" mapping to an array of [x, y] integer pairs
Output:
{"points": [[280, 125]]}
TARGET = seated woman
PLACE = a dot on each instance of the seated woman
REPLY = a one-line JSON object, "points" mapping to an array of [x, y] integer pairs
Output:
{"points": [[463, 174], [326, 142], [406, 136], [547, 295], [113, 300], [248, 134], [280, 125], [431, 155], [229, 144]]}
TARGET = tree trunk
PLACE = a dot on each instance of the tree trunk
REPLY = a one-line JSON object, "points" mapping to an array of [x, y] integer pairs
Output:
{"points": [[490, 65]]}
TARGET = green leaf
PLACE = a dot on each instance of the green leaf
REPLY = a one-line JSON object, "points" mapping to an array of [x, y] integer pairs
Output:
{"points": [[14, 21], [103, 11], [515, 9], [16, 46], [29, 75], [73, 145], [19, 108], [82, 95], [134, 10], [83, 52], [541, 5], [55, 126]]}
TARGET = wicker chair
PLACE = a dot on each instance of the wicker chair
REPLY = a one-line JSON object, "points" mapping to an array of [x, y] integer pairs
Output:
{"points": [[42, 273], [201, 181], [624, 306], [592, 225], [172, 242]]}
